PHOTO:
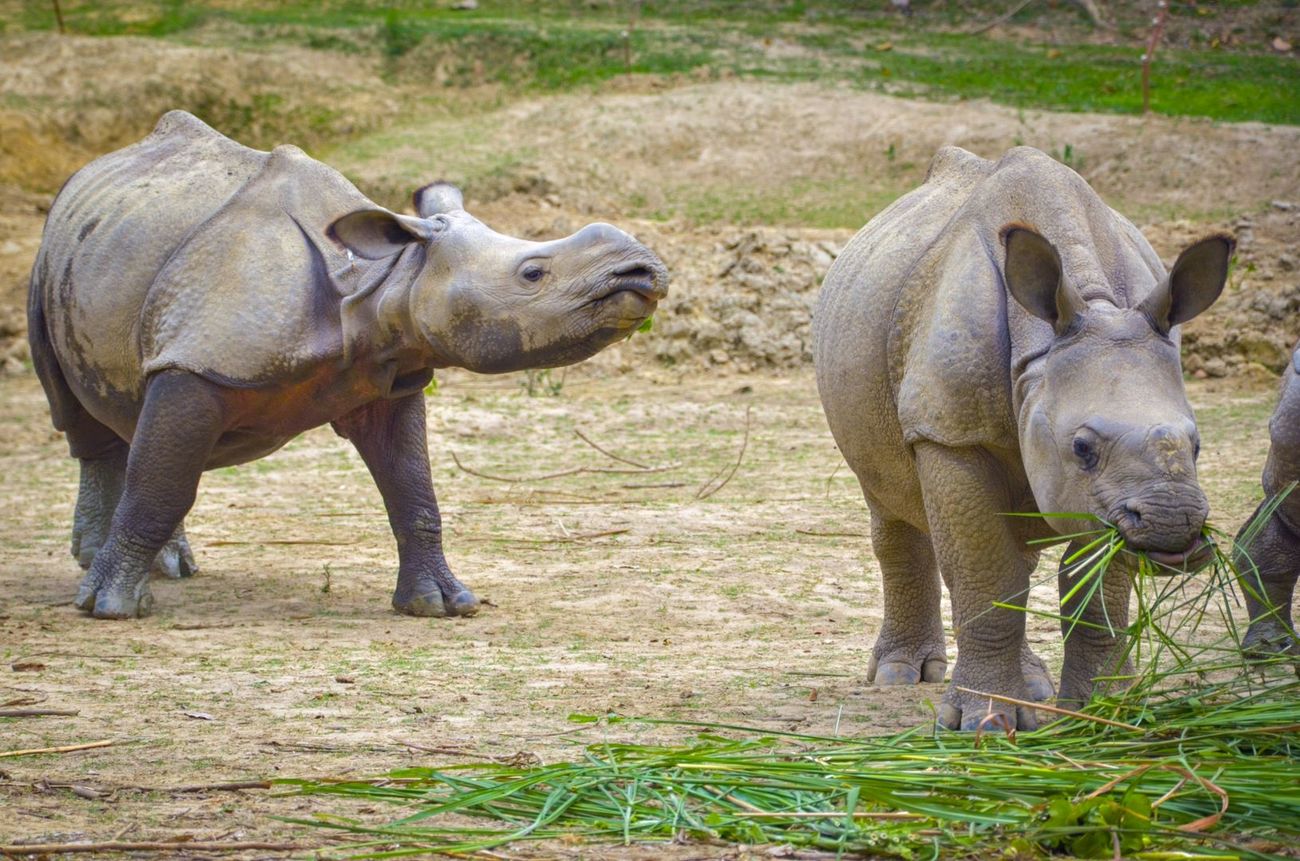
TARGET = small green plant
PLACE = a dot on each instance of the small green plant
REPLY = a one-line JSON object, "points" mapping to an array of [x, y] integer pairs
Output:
{"points": [[543, 381]]}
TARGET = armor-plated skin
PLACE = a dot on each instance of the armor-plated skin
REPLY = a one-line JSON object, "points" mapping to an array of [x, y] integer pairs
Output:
{"points": [[196, 304], [999, 340], [1275, 551]]}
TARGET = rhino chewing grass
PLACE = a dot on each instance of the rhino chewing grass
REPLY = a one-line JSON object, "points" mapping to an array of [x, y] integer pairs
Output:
{"points": [[197, 304], [1000, 340], [1270, 558]]}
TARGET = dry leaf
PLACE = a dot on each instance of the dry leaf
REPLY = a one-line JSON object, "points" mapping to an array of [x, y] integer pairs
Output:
{"points": [[199, 716]]}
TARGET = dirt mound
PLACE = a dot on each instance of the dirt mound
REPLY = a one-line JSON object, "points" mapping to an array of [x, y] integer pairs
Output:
{"points": [[68, 99]]}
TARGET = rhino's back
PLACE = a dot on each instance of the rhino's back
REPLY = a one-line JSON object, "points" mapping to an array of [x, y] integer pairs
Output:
{"points": [[110, 231], [915, 338]]}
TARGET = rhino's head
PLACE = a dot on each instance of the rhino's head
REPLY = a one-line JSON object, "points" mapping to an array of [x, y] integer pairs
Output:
{"points": [[1106, 429], [494, 303]]}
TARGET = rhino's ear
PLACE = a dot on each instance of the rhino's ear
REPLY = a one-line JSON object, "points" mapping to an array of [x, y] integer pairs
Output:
{"points": [[1033, 276], [1193, 284], [437, 197], [377, 233]]}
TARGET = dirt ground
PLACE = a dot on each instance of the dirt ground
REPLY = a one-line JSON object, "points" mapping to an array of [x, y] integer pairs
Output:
{"points": [[605, 591]]}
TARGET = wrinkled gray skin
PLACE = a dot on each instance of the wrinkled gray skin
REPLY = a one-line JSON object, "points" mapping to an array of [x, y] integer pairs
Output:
{"points": [[196, 304], [1275, 552], [999, 340]]}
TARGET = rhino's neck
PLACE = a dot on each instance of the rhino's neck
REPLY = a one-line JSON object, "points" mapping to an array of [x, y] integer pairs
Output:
{"points": [[376, 313]]}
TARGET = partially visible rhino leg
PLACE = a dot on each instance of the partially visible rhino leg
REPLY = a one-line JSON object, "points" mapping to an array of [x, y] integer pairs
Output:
{"points": [[390, 437], [1268, 568], [984, 561], [176, 559], [179, 423], [1091, 651], [102, 480], [910, 647]]}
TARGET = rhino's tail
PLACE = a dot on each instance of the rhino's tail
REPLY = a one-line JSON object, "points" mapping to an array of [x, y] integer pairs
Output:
{"points": [[64, 405]]}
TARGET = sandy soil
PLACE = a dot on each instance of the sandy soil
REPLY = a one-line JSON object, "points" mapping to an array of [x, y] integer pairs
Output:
{"points": [[606, 592]]}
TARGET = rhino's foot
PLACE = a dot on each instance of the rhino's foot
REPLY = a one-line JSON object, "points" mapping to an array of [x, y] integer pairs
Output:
{"points": [[1038, 681], [175, 559], [115, 599], [1269, 638], [431, 602], [967, 711]]}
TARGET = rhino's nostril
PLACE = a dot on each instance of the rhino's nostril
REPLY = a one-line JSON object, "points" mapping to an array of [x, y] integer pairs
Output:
{"points": [[637, 271], [1133, 514]]}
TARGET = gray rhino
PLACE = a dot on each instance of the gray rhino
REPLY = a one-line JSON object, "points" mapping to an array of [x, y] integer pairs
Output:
{"points": [[1274, 555], [999, 340], [196, 304]]}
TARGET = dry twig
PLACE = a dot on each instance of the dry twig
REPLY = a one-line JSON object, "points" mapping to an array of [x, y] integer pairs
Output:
{"points": [[577, 470], [22, 849], [706, 490], [23, 713], [65, 749]]}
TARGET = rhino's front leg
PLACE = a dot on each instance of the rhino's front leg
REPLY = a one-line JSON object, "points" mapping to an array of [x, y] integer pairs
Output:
{"points": [[390, 437], [983, 561], [1269, 567], [179, 423], [1096, 657]]}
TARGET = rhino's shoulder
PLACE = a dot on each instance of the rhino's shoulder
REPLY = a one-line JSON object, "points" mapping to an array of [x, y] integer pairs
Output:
{"points": [[249, 297]]}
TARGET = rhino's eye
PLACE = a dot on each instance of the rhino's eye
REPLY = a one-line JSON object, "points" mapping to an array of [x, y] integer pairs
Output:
{"points": [[1086, 452], [533, 274]]}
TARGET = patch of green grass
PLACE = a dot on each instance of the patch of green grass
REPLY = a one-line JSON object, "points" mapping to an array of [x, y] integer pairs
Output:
{"points": [[563, 44]]}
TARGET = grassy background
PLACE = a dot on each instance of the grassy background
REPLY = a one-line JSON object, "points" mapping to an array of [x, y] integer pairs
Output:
{"points": [[1050, 61]]}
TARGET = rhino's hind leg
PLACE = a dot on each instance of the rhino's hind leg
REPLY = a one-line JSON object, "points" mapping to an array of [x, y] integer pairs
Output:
{"points": [[100, 488], [910, 646], [179, 424], [102, 481], [1269, 568], [390, 437]]}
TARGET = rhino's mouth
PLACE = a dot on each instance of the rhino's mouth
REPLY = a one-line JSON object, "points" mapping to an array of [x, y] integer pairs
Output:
{"points": [[1191, 558], [640, 278]]}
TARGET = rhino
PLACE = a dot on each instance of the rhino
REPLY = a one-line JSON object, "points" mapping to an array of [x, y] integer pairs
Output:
{"points": [[1000, 340], [196, 304], [1270, 559]]}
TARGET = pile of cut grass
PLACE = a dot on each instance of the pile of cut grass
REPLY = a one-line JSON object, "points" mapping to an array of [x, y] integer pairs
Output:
{"points": [[1198, 757]]}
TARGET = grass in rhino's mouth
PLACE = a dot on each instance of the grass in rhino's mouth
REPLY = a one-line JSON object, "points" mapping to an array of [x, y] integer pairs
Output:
{"points": [[1196, 758]]}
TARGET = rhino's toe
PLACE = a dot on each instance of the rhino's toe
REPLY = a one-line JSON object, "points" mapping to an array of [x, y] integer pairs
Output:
{"points": [[428, 604], [463, 603], [85, 599], [1038, 681], [175, 560]]}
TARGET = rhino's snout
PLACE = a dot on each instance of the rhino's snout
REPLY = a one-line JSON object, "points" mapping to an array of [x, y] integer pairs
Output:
{"points": [[647, 277], [1167, 521]]}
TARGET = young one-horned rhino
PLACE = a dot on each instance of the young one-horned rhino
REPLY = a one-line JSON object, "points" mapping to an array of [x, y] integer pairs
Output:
{"points": [[197, 304], [1270, 562], [1000, 340]]}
